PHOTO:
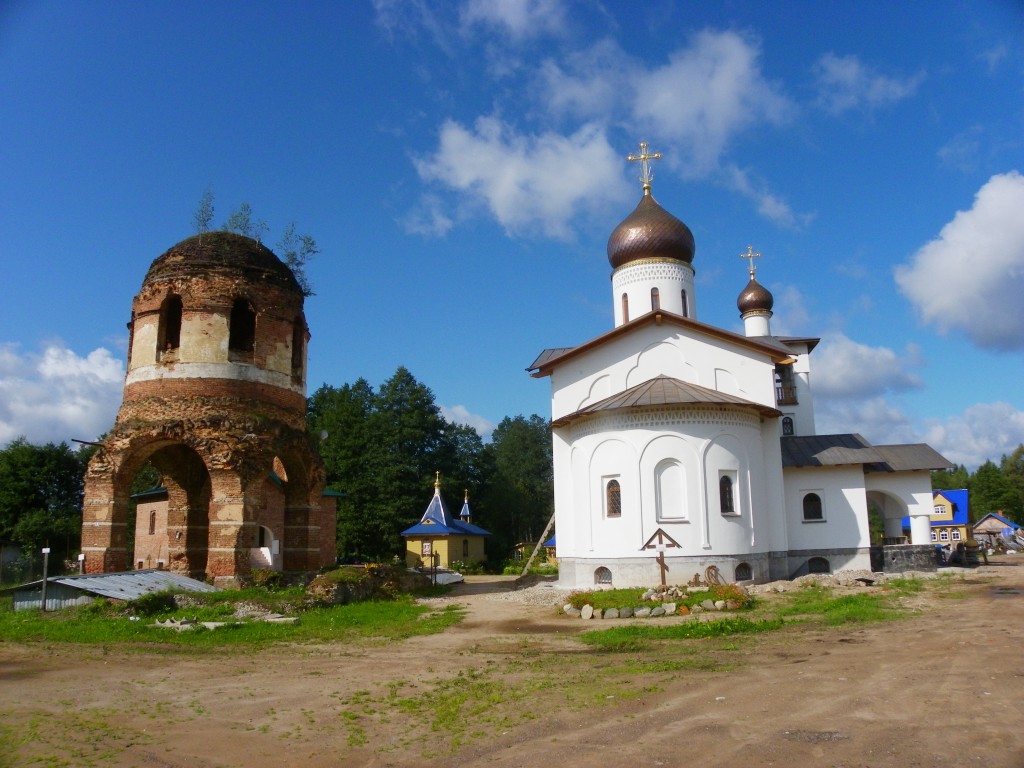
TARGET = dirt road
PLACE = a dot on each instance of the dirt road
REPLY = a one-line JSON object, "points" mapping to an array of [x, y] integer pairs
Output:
{"points": [[513, 686]]}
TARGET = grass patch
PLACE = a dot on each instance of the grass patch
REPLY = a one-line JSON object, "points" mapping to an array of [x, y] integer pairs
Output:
{"points": [[633, 598], [107, 625], [837, 610], [638, 637]]}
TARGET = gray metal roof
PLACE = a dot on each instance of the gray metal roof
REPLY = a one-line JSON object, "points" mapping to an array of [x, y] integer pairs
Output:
{"points": [[664, 390], [130, 585], [836, 450]]}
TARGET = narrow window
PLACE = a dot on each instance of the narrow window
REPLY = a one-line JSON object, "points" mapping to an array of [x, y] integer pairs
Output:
{"points": [[744, 572], [152, 523], [686, 308], [625, 308], [725, 495], [298, 347], [655, 299], [242, 333], [169, 331], [933, 536], [465, 547], [602, 576], [787, 425], [425, 549], [812, 507], [613, 499]]}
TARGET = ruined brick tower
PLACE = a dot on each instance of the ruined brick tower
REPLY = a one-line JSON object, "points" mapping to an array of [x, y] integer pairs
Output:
{"points": [[215, 399]]}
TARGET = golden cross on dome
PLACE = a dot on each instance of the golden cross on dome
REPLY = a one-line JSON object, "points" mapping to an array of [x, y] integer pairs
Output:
{"points": [[644, 158], [751, 255]]}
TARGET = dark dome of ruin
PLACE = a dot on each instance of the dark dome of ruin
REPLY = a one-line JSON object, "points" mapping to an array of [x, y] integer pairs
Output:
{"points": [[224, 253], [650, 232]]}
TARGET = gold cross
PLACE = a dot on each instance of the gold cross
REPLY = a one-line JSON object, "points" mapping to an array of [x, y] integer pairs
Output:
{"points": [[751, 255], [644, 159]]}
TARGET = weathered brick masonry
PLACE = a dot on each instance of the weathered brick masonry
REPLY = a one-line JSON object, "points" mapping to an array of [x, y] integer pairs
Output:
{"points": [[214, 399]]}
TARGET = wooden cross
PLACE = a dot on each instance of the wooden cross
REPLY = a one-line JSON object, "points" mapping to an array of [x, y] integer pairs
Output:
{"points": [[751, 255], [661, 541], [644, 158]]}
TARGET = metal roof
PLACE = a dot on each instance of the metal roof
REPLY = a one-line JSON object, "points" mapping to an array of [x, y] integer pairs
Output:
{"points": [[129, 585], [664, 390], [836, 450]]}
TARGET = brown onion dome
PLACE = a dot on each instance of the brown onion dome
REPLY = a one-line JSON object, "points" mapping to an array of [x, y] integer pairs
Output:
{"points": [[754, 298], [224, 253], [650, 232]]}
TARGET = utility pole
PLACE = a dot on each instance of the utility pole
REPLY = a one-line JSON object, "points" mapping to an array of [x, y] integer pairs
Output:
{"points": [[46, 568]]}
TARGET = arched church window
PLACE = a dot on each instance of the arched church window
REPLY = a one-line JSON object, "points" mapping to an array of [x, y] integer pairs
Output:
{"points": [[813, 509], [602, 576], [744, 572], [242, 328], [152, 523], [625, 308], [613, 499], [725, 495], [655, 299], [686, 308], [787, 425], [168, 336]]}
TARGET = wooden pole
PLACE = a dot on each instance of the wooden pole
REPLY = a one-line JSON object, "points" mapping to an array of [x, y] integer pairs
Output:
{"points": [[540, 544]]}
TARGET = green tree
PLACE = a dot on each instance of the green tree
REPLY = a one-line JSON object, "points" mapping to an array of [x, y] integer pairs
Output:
{"points": [[41, 489], [241, 221], [951, 479], [297, 250], [522, 492], [992, 491], [203, 217]]}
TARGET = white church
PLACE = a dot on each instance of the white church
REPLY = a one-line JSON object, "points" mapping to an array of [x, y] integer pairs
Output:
{"points": [[678, 445]]}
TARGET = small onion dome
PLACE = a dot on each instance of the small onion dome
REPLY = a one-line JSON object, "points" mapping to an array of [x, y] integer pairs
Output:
{"points": [[754, 298], [650, 232], [223, 253]]}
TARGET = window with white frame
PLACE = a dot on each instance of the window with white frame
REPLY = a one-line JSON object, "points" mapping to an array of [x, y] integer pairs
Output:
{"points": [[934, 537], [956, 534], [727, 493], [943, 535], [814, 510]]}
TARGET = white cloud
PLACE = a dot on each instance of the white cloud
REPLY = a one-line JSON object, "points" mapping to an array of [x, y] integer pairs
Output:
{"points": [[844, 83], [971, 277], [875, 418], [459, 414], [56, 395], [791, 317], [769, 205], [846, 369], [963, 150], [518, 19], [983, 431], [528, 182], [706, 94]]}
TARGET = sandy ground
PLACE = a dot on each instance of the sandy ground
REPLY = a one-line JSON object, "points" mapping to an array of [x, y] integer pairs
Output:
{"points": [[513, 686]]}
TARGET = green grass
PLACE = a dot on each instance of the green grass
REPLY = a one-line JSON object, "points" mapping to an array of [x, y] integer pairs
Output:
{"points": [[837, 610], [637, 637], [633, 598], [366, 622]]}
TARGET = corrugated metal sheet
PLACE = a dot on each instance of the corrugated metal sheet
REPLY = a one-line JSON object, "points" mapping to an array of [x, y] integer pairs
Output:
{"points": [[835, 450], [64, 591]]}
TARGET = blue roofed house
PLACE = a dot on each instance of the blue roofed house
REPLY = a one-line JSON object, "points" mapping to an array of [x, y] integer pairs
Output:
{"points": [[994, 528], [441, 536], [949, 518]]}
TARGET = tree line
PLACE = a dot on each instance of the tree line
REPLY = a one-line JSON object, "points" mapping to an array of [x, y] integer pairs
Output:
{"points": [[991, 487]]}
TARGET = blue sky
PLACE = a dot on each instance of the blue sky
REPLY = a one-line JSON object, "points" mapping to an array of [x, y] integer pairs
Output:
{"points": [[461, 165]]}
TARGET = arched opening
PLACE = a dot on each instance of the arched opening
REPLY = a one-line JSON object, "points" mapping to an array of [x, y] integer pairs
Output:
{"points": [[625, 308], [655, 299], [669, 490], [744, 572], [725, 496], [787, 425], [813, 510], [686, 307], [267, 552], [242, 332], [602, 576], [613, 499], [818, 565], [168, 337]]}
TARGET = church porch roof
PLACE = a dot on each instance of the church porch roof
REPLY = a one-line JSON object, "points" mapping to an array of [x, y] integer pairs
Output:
{"points": [[664, 390], [851, 448]]}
